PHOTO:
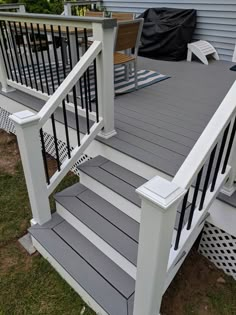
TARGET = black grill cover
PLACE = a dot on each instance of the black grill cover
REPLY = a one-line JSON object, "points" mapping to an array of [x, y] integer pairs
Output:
{"points": [[166, 33]]}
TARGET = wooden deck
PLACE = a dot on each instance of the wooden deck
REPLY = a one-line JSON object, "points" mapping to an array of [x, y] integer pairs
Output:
{"points": [[159, 124]]}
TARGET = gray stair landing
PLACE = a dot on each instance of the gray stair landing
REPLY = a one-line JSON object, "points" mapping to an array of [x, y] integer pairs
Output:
{"points": [[109, 223], [103, 280], [119, 180]]}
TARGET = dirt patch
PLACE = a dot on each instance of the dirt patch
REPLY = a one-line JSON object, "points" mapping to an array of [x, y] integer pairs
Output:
{"points": [[188, 293], [9, 153]]}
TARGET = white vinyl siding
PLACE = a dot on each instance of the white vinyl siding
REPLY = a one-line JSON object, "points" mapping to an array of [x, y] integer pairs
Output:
{"points": [[216, 19]]}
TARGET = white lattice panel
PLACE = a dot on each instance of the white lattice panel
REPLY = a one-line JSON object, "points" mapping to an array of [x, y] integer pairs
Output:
{"points": [[50, 149], [7, 125], [220, 248]]}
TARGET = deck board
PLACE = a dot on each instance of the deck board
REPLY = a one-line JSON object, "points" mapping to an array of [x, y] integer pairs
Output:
{"points": [[159, 124]]}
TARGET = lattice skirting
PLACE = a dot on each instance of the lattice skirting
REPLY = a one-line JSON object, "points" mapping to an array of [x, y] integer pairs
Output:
{"points": [[220, 248], [7, 125]]}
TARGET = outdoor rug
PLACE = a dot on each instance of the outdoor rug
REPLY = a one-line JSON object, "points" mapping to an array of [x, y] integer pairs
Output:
{"points": [[49, 77], [145, 78]]}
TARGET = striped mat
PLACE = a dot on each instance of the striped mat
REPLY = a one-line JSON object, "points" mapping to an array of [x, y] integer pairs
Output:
{"points": [[145, 78]]}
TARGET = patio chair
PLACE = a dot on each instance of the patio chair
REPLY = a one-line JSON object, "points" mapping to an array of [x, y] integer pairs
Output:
{"points": [[127, 38], [122, 16]]}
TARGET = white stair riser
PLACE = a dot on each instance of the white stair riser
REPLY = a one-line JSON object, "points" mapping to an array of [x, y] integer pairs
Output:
{"points": [[104, 247], [109, 195], [133, 165]]}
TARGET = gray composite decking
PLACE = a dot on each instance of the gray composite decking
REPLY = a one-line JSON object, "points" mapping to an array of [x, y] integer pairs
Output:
{"points": [[159, 124], [100, 277], [121, 181]]}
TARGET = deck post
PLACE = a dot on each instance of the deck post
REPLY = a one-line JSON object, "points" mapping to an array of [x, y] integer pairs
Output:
{"points": [[67, 9], [26, 124], [105, 77], [160, 199], [21, 8]]}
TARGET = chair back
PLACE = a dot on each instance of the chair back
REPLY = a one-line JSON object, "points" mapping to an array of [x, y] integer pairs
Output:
{"points": [[128, 35], [122, 16], [94, 13]]}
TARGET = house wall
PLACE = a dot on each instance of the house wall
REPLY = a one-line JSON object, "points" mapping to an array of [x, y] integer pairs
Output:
{"points": [[216, 20]]}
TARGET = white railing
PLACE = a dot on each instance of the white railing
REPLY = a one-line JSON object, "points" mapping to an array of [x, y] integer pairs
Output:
{"points": [[161, 252], [29, 126], [19, 7]]}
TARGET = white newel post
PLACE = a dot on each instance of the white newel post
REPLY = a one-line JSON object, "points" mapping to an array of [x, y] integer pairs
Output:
{"points": [[22, 8], [160, 199], [67, 9], [30, 149], [105, 76]]}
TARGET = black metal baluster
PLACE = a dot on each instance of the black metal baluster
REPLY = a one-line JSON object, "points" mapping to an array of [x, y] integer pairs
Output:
{"points": [[181, 220], [26, 57], [21, 58], [207, 178], [195, 194], [15, 52], [5, 55], [78, 58], [55, 55], [55, 142], [231, 140], [86, 103], [9, 47], [222, 147], [49, 58], [31, 56], [87, 72], [76, 115], [37, 57], [43, 60], [66, 128], [62, 57], [74, 87], [44, 156], [96, 89]]}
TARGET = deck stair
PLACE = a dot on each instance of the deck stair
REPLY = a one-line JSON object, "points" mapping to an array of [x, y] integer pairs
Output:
{"points": [[94, 243]]}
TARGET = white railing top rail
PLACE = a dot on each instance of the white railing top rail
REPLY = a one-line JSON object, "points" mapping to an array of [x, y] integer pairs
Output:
{"points": [[71, 21], [9, 6], [76, 73], [82, 2], [207, 141]]}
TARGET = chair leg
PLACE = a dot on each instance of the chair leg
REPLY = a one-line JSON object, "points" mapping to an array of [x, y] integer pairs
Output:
{"points": [[135, 75], [126, 72]]}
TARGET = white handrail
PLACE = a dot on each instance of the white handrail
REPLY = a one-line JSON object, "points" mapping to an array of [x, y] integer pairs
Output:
{"points": [[76, 73], [207, 141]]}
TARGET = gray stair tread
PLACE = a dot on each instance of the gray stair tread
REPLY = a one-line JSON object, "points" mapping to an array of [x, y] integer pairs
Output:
{"points": [[114, 177], [123, 183], [102, 279], [109, 223]]}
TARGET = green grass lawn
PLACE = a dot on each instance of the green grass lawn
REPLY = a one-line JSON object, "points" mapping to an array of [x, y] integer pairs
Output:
{"points": [[30, 286]]}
